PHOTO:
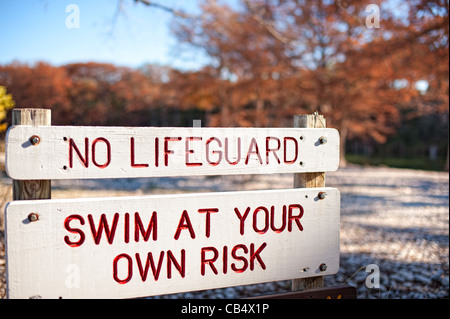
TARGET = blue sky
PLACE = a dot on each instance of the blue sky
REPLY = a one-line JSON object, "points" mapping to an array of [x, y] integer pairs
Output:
{"points": [[35, 30]]}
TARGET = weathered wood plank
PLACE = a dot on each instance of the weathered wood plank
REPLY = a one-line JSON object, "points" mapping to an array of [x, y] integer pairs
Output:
{"points": [[30, 189], [120, 152], [100, 247], [309, 180]]}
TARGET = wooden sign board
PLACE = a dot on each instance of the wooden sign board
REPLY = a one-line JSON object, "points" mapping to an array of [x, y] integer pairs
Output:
{"points": [[128, 247], [65, 152]]}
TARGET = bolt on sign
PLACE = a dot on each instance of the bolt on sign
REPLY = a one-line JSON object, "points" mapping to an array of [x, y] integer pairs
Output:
{"points": [[65, 152], [149, 245]]}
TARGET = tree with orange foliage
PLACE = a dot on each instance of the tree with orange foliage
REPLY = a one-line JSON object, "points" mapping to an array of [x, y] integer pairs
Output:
{"points": [[108, 95], [101, 94], [326, 56], [41, 86], [287, 58]]}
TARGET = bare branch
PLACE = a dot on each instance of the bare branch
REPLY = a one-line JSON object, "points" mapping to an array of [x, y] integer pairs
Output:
{"points": [[177, 13], [269, 26], [117, 13]]}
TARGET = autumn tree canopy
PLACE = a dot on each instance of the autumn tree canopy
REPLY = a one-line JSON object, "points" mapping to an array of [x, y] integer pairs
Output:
{"points": [[99, 94], [357, 62], [286, 57]]}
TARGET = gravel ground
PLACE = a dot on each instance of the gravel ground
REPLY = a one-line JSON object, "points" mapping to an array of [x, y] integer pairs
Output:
{"points": [[395, 220]]}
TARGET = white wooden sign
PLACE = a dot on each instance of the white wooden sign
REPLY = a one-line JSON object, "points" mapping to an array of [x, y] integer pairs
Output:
{"points": [[65, 152], [141, 246]]}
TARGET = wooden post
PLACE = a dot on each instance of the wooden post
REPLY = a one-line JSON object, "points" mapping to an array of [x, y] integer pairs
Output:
{"points": [[31, 189], [309, 180]]}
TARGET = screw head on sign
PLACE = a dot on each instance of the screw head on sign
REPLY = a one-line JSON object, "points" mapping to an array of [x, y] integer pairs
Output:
{"points": [[33, 217], [323, 267], [322, 140], [322, 195], [34, 140]]}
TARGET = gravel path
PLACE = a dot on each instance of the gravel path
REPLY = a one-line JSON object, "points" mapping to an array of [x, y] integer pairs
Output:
{"points": [[396, 221]]}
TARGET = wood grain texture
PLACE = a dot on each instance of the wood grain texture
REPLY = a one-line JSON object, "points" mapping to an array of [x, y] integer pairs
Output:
{"points": [[70, 152], [95, 248], [31, 189], [309, 180], [31, 117]]}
